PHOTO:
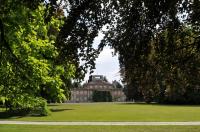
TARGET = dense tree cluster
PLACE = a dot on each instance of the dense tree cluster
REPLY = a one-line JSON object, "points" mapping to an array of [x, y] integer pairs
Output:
{"points": [[158, 45], [28, 70]]}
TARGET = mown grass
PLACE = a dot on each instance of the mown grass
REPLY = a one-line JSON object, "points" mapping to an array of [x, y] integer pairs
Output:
{"points": [[32, 128], [115, 112]]}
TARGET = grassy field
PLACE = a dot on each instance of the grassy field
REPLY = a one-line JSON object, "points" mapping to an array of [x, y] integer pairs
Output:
{"points": [[31, 128], [115, 112]]}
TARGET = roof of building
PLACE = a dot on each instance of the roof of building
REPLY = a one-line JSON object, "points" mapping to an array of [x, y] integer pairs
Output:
{"points": [[98, 80]]}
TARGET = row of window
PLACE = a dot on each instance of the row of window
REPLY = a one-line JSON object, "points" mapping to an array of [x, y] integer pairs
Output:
{"points": [[99, 86], [87, 99], [81, 92], [79, 98], [90, 92]]}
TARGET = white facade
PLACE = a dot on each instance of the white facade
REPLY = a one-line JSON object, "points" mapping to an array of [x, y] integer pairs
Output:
{"points": [[96, 84]]}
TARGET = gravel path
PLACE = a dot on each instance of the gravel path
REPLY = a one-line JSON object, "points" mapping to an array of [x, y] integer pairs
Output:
{"points": [[101, 123]]}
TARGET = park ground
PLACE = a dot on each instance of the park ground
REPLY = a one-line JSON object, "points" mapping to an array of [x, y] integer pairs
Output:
{"points": [[33, 128], [107, 112]]}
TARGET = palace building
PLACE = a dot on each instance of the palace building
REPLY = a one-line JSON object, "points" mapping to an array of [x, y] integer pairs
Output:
{"points": [[96, 83]]}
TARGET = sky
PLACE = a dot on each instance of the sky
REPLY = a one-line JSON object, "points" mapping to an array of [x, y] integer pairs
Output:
{"points": [[106, 63]]}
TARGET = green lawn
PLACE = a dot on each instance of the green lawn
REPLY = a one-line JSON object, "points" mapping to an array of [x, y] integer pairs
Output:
{"points": [[31, 128], [116, 112]]}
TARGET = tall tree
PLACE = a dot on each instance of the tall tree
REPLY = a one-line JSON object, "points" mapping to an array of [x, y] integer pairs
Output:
{"points": [[27, 58], [134, 34]]}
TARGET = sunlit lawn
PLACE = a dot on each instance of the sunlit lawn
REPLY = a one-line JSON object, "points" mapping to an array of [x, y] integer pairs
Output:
{"points": [[31, 128], [116, 112]]}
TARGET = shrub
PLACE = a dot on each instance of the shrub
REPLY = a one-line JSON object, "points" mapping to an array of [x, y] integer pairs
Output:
{"points": [[24, 104], [101, 96]]}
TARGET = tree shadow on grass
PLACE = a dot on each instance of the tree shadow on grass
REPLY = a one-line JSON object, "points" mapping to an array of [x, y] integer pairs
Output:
{"points": [[7, 115], [59, 110]]}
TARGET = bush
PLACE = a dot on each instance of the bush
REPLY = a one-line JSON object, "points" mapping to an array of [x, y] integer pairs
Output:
{"points": [[40, 108], [28, 105], [101, 96]]}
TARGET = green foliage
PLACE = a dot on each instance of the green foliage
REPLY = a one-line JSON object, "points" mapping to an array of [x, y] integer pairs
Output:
{"points": [[101, 96], [178, 71], [158, 48], [28, 54], [24, 104]]}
